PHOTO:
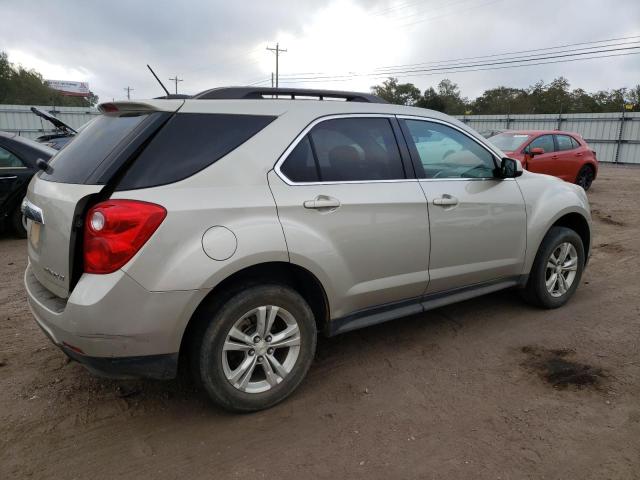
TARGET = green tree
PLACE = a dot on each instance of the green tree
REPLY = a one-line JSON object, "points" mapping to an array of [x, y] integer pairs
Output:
{"points": [[398, 93], [449, 93], [20, 86], [501, 100], [430, 99], [554, 97]]}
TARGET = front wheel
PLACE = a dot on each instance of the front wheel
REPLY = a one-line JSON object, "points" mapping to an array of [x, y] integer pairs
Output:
{"points": [[557, 269], [257, 348]]}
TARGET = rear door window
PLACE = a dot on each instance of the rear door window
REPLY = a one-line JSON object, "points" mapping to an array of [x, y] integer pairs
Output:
{"points": [[188, 143], [301, 165], [564, 142], [88, 149], [346, 150], [8, 160], [545, 142]]}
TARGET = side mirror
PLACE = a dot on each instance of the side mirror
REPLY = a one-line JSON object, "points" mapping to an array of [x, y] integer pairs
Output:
{"points": [[509, 168], [536, 151]]}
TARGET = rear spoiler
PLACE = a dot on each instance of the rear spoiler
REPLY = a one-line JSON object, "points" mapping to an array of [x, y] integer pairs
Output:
{"points": [[116, 108]]}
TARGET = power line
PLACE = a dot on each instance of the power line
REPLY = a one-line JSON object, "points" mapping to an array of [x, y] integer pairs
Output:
{"points": [[277, 51], [385, 69], [128, 90], [258, 82], [458, 66], [514, 52], [472, 70], [176, 80]]}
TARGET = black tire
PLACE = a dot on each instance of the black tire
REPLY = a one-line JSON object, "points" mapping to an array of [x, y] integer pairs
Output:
{"points": [[17, 223], [535, 292], [221, 318], [585, 177]]}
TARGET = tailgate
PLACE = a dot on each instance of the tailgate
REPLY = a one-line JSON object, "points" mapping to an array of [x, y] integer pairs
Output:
{"points": [[50, 210], [58, 197]]}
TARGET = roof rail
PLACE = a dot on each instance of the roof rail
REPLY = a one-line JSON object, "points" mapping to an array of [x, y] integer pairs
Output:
{"points": [[238, 93]]}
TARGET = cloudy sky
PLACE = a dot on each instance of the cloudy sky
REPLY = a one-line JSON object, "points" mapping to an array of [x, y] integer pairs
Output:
{"points": [[346, 44]]}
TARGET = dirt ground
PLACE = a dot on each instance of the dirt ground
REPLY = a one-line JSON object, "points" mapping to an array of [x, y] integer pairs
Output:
{"points": [[486, 389]]}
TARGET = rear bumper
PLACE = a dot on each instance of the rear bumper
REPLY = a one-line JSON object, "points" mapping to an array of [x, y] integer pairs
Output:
{"points": [[114, 326], [161, 367]]}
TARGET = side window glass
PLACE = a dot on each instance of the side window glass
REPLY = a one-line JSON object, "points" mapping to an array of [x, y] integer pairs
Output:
{"points": [[574, 142], [300, 165], [564, 142], [356, 149], [545, 142], [9, 160], [447, 153]]}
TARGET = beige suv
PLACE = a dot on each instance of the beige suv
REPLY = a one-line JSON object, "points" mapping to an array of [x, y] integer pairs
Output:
{"points": [[225, 230]]}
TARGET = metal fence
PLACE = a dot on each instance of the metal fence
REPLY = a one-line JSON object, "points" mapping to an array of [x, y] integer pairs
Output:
{"points": [[614, 136], [20, 119]]}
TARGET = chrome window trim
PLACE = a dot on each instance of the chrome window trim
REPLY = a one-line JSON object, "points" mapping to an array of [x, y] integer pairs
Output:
{"points": [[497, 155], [317, 121], [13, 168]]}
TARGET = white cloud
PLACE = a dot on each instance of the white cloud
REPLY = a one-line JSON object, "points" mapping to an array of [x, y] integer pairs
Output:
{"points": [[215, 43]]}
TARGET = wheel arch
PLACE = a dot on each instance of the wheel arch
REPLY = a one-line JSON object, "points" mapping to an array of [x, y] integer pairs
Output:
{"points": [[579, 224], [570, 219], [295, 276]]}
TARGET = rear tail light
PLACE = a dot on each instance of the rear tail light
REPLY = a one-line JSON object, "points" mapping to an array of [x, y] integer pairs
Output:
{"points": [[115, 231]]}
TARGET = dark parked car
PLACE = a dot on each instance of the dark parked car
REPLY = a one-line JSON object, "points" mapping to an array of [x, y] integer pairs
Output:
{"points": [[63, 134], [18, 156]]}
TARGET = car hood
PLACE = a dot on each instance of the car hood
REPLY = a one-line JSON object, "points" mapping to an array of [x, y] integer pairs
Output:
{"points": [[54, 120]]}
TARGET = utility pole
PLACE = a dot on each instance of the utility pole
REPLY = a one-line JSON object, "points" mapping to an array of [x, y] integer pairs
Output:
{"points": [[277, 50], [128, 90], [271, 79], [176, 80]]}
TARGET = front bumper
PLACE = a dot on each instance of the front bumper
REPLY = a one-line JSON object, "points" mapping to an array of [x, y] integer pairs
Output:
{"points": [[114, 326]]}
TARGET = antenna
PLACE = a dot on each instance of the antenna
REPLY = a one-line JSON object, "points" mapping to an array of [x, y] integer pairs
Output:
{"points": [[161, 84]]}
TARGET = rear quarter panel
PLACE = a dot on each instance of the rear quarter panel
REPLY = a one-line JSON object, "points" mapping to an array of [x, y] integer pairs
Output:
{"points": [[233, 193]]}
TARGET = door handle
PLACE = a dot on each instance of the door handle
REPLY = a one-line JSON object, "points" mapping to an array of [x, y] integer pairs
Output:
{"points": [[553, 157], [322, 202], [445, 201], [579, 154], [8, 177]]}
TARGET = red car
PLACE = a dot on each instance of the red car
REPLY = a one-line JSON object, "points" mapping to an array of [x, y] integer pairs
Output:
{"points": [[563, 154]]}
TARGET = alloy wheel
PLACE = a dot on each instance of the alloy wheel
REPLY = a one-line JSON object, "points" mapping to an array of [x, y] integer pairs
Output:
{"points": [[261, 349], [561, 270]]}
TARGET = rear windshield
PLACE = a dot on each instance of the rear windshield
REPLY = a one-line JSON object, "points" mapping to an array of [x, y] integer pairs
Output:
{"points": [[188, 143], [81, 156], [509, 142]]}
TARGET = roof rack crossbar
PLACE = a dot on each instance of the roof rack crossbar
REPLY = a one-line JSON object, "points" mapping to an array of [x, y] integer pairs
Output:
{"points": [[239, 93]]}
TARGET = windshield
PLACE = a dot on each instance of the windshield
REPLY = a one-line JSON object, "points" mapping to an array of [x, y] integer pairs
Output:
{"points": [[509, 142]]}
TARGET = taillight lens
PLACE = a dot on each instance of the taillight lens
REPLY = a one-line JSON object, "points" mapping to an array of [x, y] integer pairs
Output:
{"points": [[115, 230]]}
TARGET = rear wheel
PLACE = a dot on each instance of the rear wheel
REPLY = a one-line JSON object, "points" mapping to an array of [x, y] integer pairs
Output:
{"points": [[256, 348], [557, 269], [585, 177]]}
